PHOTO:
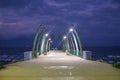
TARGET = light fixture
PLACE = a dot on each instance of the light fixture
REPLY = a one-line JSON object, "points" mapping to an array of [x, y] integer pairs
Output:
{"points": [[49, 39], [64, 37], [71, 29], [46, 34]]}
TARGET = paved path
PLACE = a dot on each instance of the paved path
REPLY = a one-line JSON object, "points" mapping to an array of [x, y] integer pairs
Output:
{"points": [[59, 66]]}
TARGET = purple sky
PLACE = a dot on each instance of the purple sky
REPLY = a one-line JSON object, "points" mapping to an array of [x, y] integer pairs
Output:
{"points": [[98, 21]]}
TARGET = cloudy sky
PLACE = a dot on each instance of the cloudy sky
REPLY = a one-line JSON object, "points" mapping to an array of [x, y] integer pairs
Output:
{"points": [[98, 21]]}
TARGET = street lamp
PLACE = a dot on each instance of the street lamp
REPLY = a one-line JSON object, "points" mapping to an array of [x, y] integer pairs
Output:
{"points": [[49, 39], [71, 29], [64, 37], [46, 34]]}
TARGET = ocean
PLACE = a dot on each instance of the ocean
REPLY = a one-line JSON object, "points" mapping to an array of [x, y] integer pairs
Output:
{"points": [[104, 51], [12, 54]]}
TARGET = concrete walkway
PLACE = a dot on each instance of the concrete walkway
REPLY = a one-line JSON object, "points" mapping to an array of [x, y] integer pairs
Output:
{"points": [[59, 66]]}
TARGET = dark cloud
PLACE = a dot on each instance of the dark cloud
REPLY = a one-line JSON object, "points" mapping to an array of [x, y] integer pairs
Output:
{"points": [[116, 1], [15, 4], [98, 20]]}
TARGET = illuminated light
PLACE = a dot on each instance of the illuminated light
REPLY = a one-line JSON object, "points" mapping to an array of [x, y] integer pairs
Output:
{"points": [[49, 39], [71, 29], [64, 37], [46, 34]]}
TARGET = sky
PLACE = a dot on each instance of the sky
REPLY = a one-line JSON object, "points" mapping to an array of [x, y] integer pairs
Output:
{"points": [[97, 21]]}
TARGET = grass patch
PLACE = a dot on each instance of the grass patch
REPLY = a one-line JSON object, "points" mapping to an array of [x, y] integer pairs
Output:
{"points": [[116, 65], [1, 66]]}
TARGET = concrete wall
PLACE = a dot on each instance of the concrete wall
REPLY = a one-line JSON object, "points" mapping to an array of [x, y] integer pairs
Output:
{"points": [[27, 55], [87, 55]]}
